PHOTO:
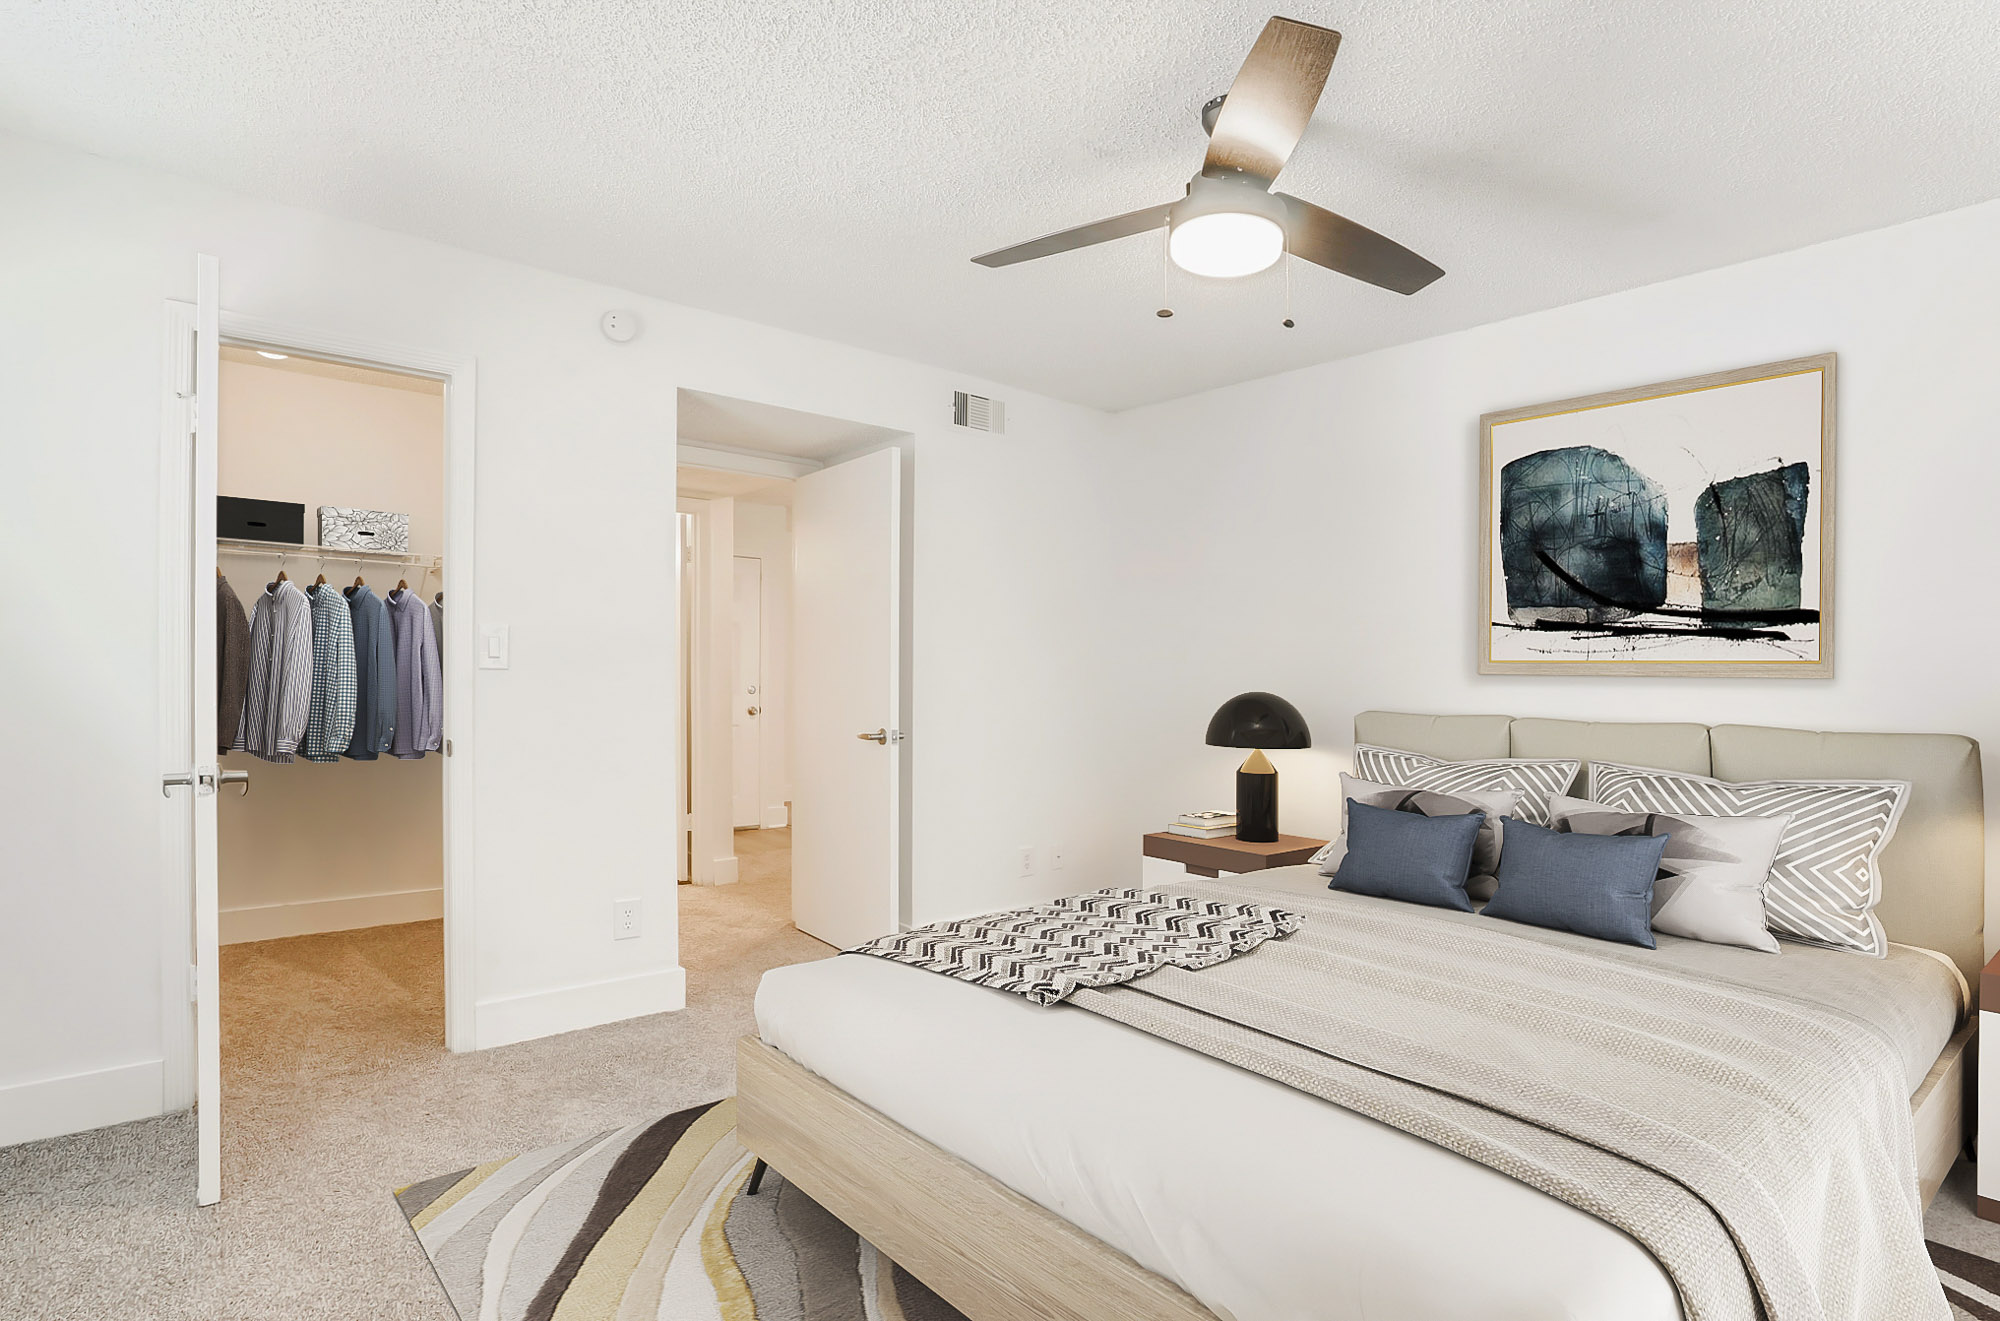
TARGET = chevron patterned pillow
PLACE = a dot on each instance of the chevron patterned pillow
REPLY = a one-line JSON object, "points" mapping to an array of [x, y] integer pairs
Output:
{"points": [[1825, 880], [1533, 779]]}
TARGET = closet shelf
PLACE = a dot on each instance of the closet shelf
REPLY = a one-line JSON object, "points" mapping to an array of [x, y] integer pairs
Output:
{"points": [[285, 550]]}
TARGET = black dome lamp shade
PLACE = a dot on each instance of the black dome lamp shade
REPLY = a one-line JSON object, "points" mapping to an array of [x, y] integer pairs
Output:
{"points": [[1259, 721]]}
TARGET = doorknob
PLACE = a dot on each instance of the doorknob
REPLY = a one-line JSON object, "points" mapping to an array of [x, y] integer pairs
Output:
{"points": [[184, 779], [879, 736], [755, 710], [236, 777]]}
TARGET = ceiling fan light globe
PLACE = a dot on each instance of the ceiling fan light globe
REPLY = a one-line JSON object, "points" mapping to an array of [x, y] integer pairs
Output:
{"points": [[1226, 244]]}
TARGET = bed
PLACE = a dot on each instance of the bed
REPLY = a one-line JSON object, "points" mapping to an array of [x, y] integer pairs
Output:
{"points": [[1012, 1158]]}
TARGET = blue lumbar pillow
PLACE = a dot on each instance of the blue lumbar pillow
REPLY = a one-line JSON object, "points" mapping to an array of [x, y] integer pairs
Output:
{"points": [[1402, 855], [1594, 885]]}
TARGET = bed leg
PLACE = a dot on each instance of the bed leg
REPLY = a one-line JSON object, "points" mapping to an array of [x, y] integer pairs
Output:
{"points": [[756, 1177]]}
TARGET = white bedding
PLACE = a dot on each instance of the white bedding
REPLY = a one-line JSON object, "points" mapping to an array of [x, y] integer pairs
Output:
{"points": [[1271, 1206]]}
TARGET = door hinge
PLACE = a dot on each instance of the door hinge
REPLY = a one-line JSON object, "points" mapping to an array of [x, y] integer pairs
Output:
{"points": [[194, 984]]}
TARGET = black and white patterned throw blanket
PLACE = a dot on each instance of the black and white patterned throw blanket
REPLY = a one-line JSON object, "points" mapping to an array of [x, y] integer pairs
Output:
{"points": [[1106, 938]]}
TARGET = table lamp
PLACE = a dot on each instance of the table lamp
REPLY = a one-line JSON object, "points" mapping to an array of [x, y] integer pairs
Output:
{"points": [[1258, 721]]}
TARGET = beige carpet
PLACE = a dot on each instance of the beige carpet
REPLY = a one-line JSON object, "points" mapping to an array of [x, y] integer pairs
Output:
{"points": [[337, 1088]]}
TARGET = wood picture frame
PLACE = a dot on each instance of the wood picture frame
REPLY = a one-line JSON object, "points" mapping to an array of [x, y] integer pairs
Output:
{"points": [[1720, 564]]}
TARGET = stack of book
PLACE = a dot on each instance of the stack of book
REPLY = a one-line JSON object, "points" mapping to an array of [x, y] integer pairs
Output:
{"points": [[1204, 825]]}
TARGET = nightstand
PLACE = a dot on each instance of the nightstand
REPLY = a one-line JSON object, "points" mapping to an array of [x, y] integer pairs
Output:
{"points": [[1175, 857]]}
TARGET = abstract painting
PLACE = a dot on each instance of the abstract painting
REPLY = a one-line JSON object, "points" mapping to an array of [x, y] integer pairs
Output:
{"points": [[1681, 528]]}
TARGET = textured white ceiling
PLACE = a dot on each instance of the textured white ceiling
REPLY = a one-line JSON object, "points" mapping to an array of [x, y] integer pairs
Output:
{"points": [[830, 165]]}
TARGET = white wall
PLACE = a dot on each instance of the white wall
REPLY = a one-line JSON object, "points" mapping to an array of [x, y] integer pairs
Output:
{"points": [[574, 772], [764, 532], [331, 846], [1332, 515]]}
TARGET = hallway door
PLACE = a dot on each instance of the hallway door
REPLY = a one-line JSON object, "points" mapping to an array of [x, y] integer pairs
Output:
{"points": [[746, 700], [846, 690]]}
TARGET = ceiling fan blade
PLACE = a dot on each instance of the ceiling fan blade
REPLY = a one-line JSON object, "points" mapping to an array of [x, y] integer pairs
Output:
{"points": [[1339, 244], [1272, 99], [1083, 236]]}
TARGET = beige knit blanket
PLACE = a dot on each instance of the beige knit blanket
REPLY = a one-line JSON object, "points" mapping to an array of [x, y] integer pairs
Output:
{"points": [[1758, 1144]]}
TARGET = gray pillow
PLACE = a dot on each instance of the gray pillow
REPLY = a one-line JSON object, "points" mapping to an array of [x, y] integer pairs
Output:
{"points": [[1495, 803], [1404, 855], [1594, 885], [1827, 877], [1534, 778], [1711, 880]]}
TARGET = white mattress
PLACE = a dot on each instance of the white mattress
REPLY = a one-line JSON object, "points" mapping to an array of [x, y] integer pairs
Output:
{"points": [[1263, 1202]]}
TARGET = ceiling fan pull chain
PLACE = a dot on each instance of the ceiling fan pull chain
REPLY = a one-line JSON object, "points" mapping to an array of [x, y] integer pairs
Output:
{"points": [[1166, 251]]}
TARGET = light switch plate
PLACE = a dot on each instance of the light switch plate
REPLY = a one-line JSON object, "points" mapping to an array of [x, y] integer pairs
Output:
{"points": [[493, 649]]}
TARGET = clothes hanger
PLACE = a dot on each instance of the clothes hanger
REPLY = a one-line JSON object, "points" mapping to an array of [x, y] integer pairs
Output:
{"points": [[320, 581]]}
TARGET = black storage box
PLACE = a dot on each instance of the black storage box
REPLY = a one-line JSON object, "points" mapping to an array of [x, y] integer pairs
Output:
{"points": [[260, 520]]}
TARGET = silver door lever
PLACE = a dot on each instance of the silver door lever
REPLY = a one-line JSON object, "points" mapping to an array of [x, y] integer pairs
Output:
{"points": [[183, 780], [879, 736]]}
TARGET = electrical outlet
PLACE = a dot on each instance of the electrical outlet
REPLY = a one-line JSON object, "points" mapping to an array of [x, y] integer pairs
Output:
{"points": [[624, 919], [1027, 861], [1055, 857]]}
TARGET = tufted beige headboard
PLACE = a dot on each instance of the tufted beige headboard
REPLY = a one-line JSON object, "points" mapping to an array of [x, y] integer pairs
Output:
{"points": [[1933, 872]]}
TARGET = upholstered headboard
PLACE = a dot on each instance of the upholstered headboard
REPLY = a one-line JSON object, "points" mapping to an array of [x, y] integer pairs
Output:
{"points": [[1933, 872]]}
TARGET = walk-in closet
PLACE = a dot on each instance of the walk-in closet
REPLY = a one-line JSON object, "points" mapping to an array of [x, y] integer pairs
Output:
{"points": [[330, 708]]}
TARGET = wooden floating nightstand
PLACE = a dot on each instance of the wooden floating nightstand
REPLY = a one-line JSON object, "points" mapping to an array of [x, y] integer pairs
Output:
{"points": [[1225, 856]]}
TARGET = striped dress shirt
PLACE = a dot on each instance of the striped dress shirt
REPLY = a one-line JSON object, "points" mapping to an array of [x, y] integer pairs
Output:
{"points": [[419, 681], [374, 675], [280, 688], [330, 712]]}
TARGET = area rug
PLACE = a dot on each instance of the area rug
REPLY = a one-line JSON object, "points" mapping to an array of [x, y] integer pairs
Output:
{"points": [[654, 1223], [650, 1223]]}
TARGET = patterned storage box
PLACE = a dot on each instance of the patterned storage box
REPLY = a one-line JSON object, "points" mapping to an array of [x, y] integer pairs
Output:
{"points": [[363, 529]]}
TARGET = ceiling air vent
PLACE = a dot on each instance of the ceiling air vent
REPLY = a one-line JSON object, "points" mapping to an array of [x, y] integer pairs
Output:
{"points": [[978, 412]]}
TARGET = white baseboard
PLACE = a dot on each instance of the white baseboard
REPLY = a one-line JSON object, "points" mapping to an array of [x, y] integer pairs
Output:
{"points": [[276, 921], [777, 816], [51, 1107], [514, 1018]]}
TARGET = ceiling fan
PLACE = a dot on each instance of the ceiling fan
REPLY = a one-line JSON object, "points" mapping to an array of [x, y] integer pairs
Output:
{"points": [[1231, 223]]}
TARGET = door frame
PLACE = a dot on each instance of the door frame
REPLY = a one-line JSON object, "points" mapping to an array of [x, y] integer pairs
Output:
{"points": [[708, 651], [738, 697], [459, 376]]}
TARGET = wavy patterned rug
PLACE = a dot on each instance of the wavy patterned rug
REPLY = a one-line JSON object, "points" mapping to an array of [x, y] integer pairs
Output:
{"points": [[652, 1223]]}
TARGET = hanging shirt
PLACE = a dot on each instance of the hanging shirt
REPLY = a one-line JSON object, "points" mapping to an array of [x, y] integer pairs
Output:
{"points": [[330, 711], [436, 609], [374, 675], [232, 663], [280, 687], [419, 680]]}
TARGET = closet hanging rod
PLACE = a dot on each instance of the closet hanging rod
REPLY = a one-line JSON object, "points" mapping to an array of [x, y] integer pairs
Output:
{"points": [[241, 546]]}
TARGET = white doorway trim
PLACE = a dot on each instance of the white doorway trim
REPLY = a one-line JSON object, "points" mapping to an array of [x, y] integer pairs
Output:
{"points": [[459, 375], [710, 653]]}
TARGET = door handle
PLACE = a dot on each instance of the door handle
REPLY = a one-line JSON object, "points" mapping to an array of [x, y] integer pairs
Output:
{"points": [[236, 777], [185, 779], [879, 736], [755, 710]]}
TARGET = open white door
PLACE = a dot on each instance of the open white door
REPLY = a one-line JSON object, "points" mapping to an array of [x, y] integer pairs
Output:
{"points": [[846, 686], [746, 699], [203, 760]]}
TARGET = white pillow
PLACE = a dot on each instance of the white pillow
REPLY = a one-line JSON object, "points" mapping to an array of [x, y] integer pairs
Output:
{"points": [[1825, 880]]}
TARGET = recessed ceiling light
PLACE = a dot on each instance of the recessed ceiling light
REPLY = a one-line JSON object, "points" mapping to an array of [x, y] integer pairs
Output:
{"points": [[274, 357]]}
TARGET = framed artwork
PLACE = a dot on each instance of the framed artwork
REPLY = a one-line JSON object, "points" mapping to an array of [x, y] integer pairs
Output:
{"points": [[1684, 528]]}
